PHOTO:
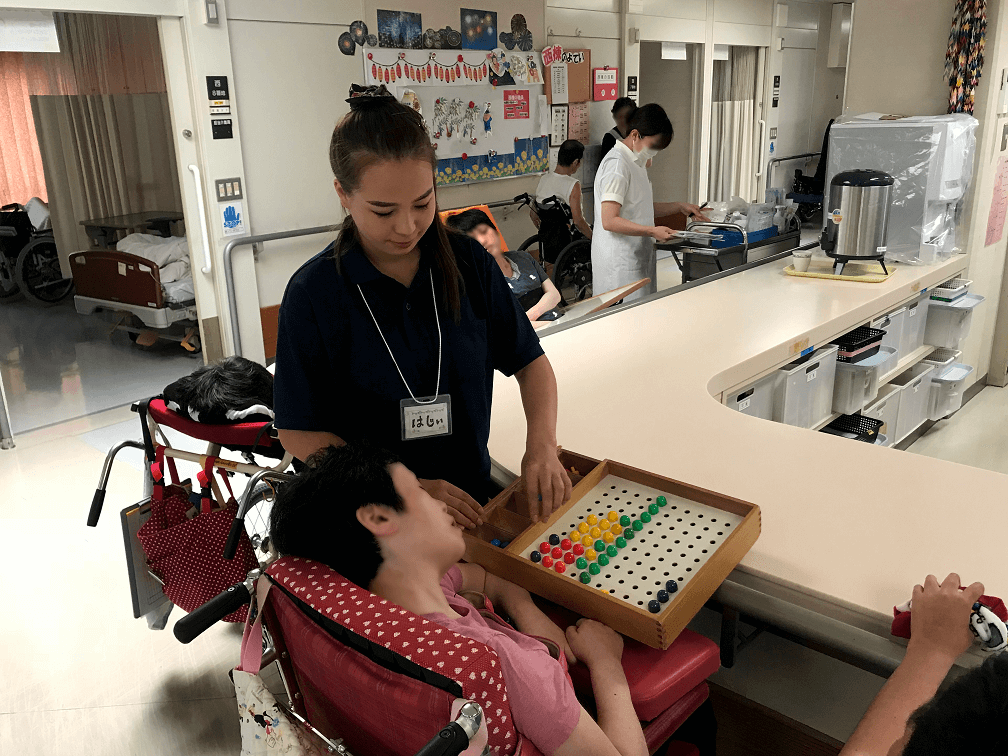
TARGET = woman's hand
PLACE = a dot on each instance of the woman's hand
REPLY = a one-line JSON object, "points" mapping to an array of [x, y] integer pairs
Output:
{"points": [[662, 233], [462, 506], [547, 484], [538, 624]]}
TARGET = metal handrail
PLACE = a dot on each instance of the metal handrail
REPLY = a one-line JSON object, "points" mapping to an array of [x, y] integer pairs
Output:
{"points": [[6, 435], [245, 241], [775, 161]]}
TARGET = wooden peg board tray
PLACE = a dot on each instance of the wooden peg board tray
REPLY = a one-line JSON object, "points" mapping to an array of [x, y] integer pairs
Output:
{"points": [[695, 538]]}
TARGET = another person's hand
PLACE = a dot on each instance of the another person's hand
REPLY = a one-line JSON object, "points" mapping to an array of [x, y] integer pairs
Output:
{"points": [[597, 645], [462, 506], [695, 211], [940, 614], [547, 484], [662, 233]]}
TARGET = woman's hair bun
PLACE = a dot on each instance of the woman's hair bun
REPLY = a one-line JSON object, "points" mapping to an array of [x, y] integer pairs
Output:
{"points": [[376, 95]]}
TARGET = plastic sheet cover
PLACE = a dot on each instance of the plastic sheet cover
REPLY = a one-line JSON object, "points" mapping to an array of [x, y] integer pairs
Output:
{"points": [[931, 160]]}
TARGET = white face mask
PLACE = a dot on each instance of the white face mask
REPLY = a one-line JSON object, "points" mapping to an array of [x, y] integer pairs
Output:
{"points": [[645, 154]]}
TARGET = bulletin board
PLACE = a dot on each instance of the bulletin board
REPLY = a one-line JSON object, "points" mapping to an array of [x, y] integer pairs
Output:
{"points": [[579, 76], [517, 141]]}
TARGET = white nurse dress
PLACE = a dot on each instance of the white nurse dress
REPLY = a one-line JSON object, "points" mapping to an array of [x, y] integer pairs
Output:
{"points": [[619, 260]]}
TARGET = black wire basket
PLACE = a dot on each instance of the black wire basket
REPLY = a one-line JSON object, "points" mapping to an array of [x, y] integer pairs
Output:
{"points": [[857, 427], [852, 343]]}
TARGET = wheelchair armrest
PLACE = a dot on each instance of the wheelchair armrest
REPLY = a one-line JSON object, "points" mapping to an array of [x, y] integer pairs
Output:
{"points": [[8, 231]]}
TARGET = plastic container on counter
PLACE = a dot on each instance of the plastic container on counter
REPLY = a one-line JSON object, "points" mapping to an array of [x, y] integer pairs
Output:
{"points": [[913, 325], [857, 383], [859, 344], [803, 390], [915, 385], [947, 386], [755, 400], [886, 408], [948, 323]]}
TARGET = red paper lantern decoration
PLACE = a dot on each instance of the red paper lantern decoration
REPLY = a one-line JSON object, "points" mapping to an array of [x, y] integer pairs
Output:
{"points": [[374, 71], [458, 70], [428, 69], [453, 75], [386, 76]]}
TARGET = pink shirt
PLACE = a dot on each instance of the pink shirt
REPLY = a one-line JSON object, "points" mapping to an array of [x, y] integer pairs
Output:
{"points": [[543, 704]]}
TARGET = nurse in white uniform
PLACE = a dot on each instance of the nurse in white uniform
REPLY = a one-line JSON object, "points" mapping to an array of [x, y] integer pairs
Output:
{"points": [[623, 242]]}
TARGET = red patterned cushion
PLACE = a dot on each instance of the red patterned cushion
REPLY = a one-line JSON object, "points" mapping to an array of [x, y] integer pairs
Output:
{"points": [[473, 666]]}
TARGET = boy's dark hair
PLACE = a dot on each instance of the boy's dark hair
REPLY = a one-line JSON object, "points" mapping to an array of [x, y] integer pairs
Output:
{"points": [[651, 120], [379, 127], [570, 151], [967, 717], [623, 102], [315, 515], [467, 220]]}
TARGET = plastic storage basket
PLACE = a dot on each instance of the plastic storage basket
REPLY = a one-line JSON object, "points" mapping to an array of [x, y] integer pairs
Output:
{"points": [[915, 390], [859, 344], [755, 400], [949, 322], [942, 358], [947, 387], [803, 390], [886, 409], [892, 324], [857, 427], [857, 383], [913, 325], [951, 290]]}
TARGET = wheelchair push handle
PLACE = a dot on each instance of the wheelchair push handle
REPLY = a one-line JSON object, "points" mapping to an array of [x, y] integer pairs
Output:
{"points": [[237, 526], [454, 738], [96, 507], [212, 611]]}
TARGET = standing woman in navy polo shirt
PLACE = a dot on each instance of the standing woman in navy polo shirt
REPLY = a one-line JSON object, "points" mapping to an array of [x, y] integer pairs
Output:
{"points": [[394, 331]]}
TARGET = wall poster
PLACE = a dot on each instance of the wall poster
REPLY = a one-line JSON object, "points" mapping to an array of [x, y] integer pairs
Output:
{"points": [[516, 103], [558, 132]]}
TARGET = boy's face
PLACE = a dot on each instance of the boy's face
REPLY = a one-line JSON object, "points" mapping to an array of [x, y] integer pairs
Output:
{"points": [[424, 529], [488, 237]]}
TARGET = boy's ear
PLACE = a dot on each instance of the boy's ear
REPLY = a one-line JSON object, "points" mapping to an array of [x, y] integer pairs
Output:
{"points": [[378, 520]]}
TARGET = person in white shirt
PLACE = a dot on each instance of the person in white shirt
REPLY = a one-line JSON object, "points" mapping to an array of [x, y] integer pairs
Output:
{"points": [[561, 183], [623, 244]]}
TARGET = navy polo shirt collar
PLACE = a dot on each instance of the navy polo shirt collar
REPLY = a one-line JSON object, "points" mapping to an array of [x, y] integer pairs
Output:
{"points": [[358, 269]]}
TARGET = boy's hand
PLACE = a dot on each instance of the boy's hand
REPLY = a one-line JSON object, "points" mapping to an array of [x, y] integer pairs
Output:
{"points": [[538, 624], [939, 621], [595, 644]]}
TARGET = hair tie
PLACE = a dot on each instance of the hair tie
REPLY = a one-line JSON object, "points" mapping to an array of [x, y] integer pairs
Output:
{"points": [[370, 96]]}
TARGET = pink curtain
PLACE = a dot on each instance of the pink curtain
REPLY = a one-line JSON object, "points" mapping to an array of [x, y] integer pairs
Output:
{"points": [[21, 174]]}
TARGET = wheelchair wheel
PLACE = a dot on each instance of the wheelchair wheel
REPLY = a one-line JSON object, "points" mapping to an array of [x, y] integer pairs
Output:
{"points": [[38, 272], [572, 274], [257, 520], [533, 247], [8, 282]]}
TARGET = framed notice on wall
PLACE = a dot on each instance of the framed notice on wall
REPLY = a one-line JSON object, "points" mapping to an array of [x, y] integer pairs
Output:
{"points": [[558, 131], [605, 83], [577, 78], [577, 122]]}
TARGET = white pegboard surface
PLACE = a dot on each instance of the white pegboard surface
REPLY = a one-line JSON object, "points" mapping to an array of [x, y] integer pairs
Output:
{"points": [[674, 545]]}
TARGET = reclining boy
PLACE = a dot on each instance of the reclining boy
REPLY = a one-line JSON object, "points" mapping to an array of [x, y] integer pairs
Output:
{"points": [[401, 544]]}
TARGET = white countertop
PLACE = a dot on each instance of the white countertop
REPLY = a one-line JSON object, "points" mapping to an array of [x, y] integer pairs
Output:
{"points": [[847, 527]]}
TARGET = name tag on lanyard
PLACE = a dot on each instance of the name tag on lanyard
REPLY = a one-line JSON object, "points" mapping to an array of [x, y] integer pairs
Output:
{"points": [[426, 418]]}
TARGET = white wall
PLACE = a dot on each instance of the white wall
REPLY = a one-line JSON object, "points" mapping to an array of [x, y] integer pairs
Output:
{"points": [[670, 84]]}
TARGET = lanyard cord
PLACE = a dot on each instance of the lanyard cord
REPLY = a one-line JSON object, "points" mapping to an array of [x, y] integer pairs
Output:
{"points": [[437, 318]]}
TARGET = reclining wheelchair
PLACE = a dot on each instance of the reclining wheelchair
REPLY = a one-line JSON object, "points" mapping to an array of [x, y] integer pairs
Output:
{"points": [[559, 243], [29, 261]]}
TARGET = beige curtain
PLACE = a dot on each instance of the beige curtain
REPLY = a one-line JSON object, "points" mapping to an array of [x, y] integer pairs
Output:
{"points": [[734, 126], [101, 113], [21, 174]]}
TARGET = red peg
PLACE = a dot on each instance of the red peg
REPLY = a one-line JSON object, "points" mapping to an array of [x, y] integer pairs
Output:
{"points": [[545, 548], [560, 567], [557, 552], [547, 561]]}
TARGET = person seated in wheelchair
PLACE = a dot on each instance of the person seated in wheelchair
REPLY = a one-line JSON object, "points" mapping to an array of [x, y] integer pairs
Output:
{"points": [[529, 283], [561, 184], [360, 511]]}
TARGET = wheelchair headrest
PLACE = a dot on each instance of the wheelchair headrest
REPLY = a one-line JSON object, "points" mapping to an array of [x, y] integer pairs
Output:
{"points": [[400, 640], [446, 214]]}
